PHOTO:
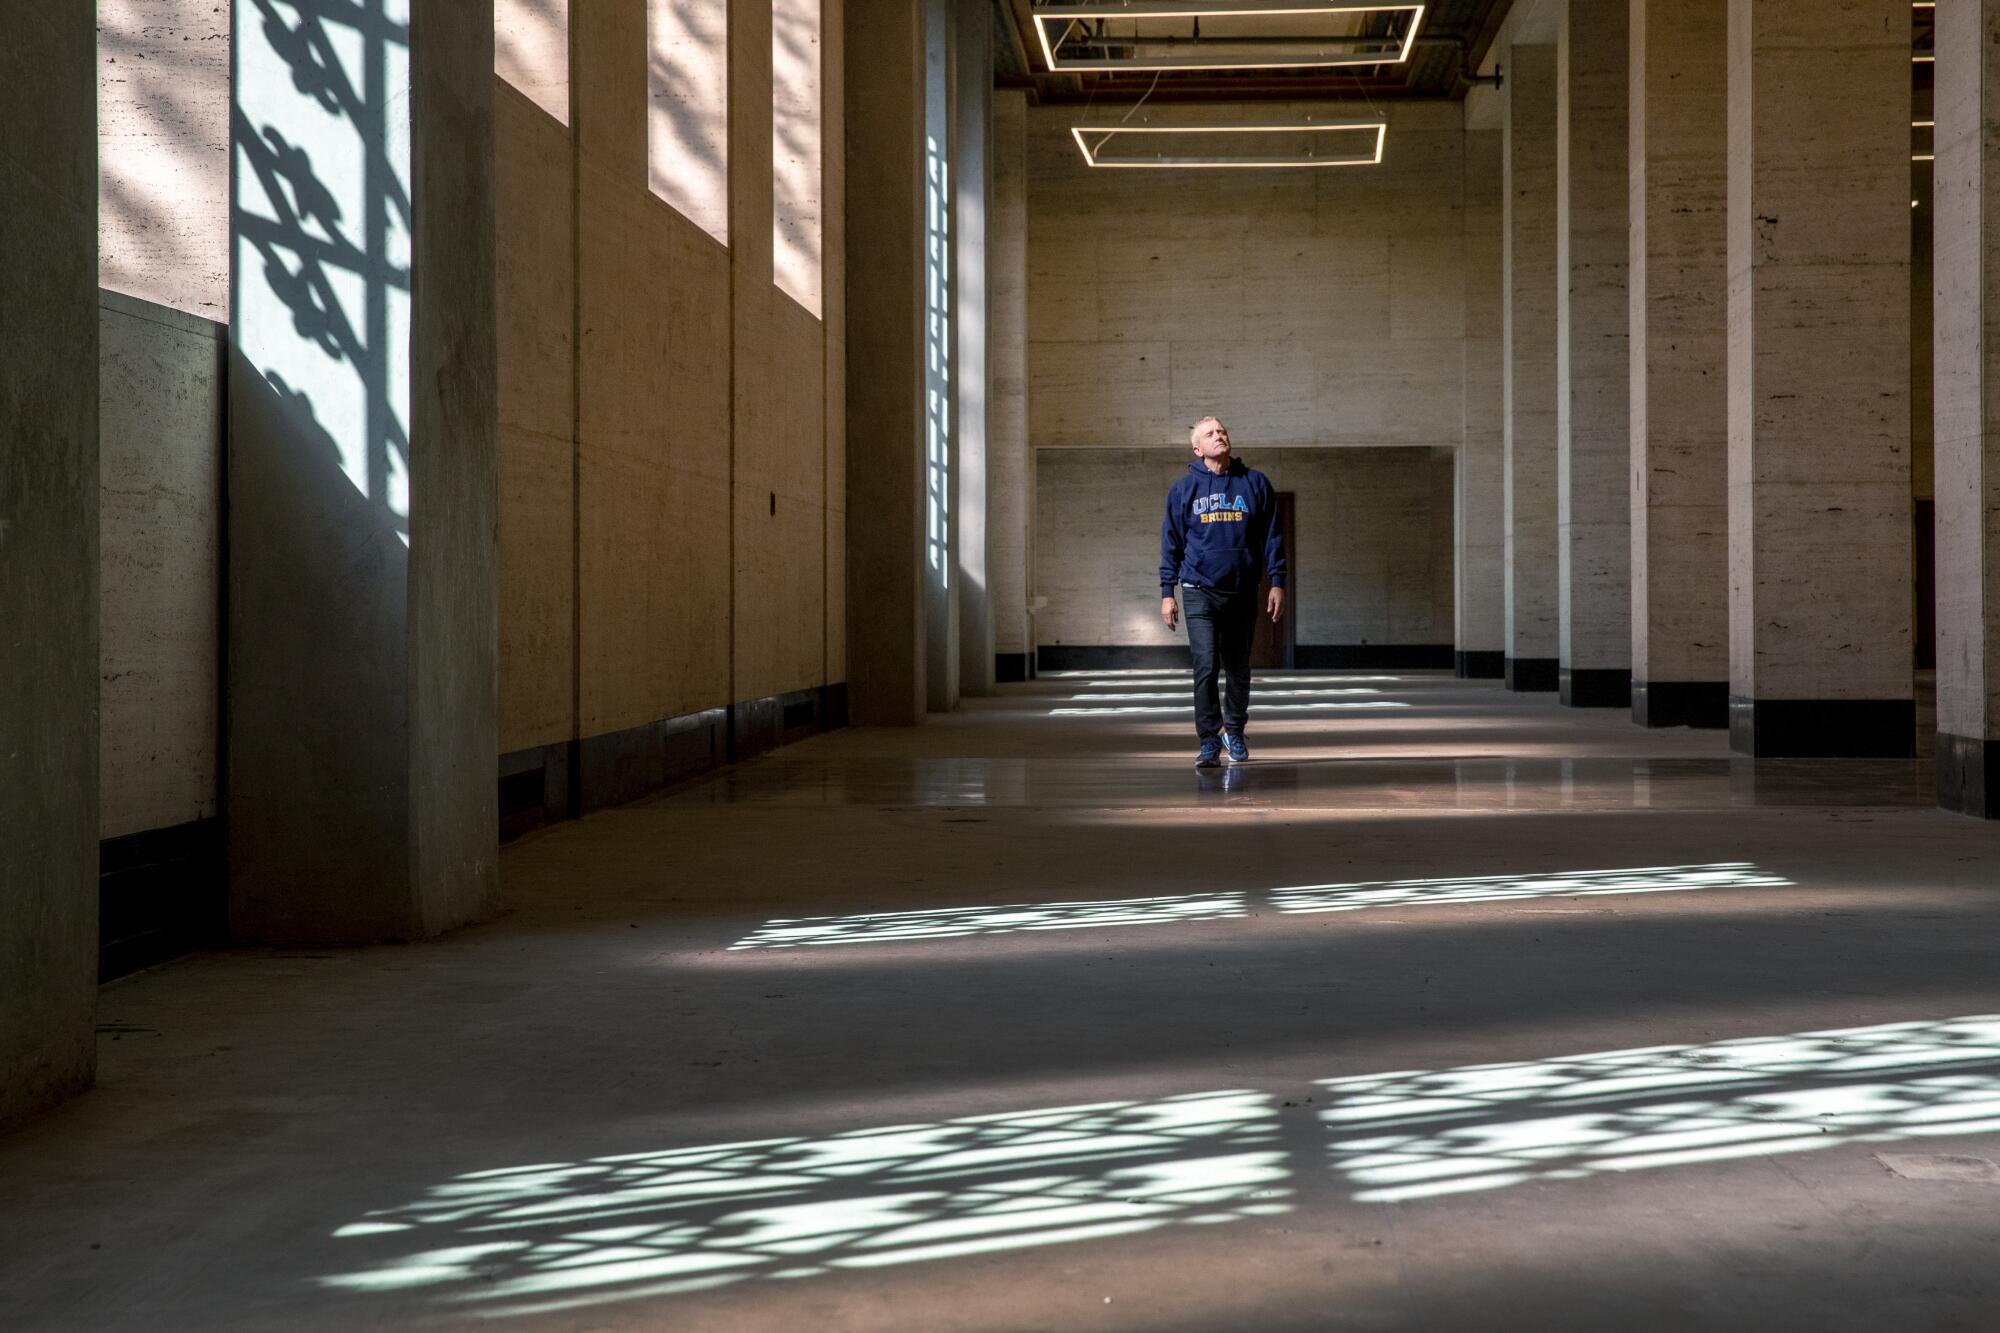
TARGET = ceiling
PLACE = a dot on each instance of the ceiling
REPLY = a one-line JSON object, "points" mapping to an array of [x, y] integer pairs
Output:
{"points": [[1454, 37]]}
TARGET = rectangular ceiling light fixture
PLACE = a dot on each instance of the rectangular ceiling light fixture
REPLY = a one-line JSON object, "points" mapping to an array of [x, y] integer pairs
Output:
{"points": [[1328, 143], [1222, 34]]}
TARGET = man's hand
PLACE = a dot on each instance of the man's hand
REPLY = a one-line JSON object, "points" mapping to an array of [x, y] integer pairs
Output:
{"points": [[1276, 604], [1168, 610]]}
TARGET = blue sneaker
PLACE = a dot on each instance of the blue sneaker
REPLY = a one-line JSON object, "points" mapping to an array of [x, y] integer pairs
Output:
{"points": [[1239, 753], [1211, 754]]}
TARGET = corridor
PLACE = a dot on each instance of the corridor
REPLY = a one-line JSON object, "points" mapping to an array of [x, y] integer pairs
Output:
{"points": [[1453, 1009]]}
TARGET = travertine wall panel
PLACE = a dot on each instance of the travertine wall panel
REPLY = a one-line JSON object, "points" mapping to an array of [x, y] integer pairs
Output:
{"points": [[1372, 550], [1481, 463], [160, 415], [1819, 326], [1533, 599], [780, 588], [833, 283], [163, 152], [1099, 392], [654, 430], [1307, 308], [1593, 407], [531, 53], [533, 199], [1679, 286]]}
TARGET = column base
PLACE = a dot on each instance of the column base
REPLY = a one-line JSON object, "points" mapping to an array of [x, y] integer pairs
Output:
{"points": [[1681, 703], [1010, 668], [1480, 665], [1968, 775], [1533, 675], [1823, 728], [1595, 687]]}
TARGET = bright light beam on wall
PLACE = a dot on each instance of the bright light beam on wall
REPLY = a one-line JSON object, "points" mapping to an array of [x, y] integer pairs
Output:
{"points": [[321, 234], [565, 1235], [1414, 1135]]}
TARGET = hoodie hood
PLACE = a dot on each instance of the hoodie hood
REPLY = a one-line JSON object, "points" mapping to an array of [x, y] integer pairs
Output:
{"points": [[1236, 469]]}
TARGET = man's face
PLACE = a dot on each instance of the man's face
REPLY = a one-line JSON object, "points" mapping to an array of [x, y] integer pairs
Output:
{"points": [[1211, 439]]}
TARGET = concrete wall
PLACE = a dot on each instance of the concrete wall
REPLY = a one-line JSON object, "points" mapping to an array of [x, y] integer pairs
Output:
{"points": [[48, 560], [672, 488], [1008, 455], [160, 410], [1372, 557], [1303, 307]]}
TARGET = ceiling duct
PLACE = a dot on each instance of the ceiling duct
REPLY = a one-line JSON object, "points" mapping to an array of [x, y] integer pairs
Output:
{"points": [[1222, 34]]}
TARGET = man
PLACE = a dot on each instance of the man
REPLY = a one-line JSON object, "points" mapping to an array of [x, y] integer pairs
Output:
{"points": [[1219, 540]]}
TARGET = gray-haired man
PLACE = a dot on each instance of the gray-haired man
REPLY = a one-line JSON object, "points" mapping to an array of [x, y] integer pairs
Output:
{"points": [[1220, 538]]}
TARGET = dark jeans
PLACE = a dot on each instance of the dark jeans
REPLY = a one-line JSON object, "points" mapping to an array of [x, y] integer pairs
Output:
{"points": [[1220, 627]]}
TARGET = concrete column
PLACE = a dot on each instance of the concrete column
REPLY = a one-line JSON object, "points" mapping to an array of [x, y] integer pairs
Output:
{"points": [[362, 408], [885, 334], [1679, 331], [1593, 410], [753, 301], [972, 156], [1533, 588], [1480, 481], [1819, 394], [48, 556], [1966, 293], [1009, 490]]}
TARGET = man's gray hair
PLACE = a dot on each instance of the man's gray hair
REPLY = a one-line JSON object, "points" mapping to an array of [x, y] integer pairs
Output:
{"points": [[1194, 431]]}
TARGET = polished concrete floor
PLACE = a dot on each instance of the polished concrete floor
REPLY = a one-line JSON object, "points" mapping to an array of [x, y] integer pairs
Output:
{"points": [[1453, 1010]]}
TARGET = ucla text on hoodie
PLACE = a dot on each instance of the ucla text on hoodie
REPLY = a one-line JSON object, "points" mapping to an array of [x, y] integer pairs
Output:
{"points": [[1221, 531]]}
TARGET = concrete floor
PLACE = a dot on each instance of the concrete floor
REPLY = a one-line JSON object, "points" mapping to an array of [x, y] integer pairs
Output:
{"points": [[1753, 1083]]}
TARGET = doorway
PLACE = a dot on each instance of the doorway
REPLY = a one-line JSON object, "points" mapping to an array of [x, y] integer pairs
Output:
{"points": [[1272, 649]]}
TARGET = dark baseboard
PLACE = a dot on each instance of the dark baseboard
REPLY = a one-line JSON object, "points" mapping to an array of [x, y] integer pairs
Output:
{"points": [[1594, 687], [549, 783], [1010, 668], [1681, 703], [1533, 675], [1117, 657], [1823, 728], [1481, 665], [757, 725], [1373, 656], [160, 894], [535, 787], [1968, 775]]}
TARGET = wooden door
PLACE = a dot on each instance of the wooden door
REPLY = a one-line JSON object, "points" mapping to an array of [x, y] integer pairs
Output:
{"points": [[1272, 648]]}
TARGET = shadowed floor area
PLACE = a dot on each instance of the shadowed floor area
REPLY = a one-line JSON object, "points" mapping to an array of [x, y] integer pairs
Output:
{"points": [[1456, 1010]]}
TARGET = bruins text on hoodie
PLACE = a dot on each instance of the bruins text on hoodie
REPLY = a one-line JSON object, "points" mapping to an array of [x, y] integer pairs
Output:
{"points": [[1221, 532]]}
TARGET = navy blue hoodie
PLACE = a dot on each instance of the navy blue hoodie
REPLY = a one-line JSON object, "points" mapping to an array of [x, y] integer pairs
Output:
{"points": [[1221, 532]]}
